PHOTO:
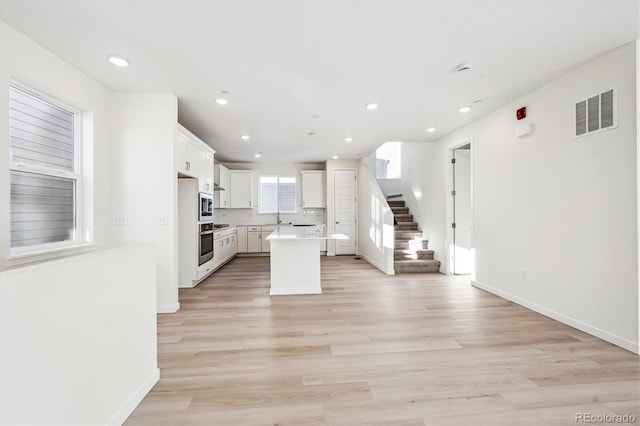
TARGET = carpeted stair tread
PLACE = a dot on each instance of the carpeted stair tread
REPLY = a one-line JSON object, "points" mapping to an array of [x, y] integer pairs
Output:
{"points": [[400, 210], [420, 254], [416, 266]]}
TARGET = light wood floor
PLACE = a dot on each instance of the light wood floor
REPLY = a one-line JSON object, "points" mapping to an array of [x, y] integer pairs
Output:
{"points": [[423, 349]]}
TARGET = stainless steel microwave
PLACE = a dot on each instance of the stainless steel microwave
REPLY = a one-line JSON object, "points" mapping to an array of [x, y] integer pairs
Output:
{"points": [[205, 202]]}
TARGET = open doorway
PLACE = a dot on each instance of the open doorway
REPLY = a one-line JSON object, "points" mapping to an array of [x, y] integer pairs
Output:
{"points": [[461, 212]]}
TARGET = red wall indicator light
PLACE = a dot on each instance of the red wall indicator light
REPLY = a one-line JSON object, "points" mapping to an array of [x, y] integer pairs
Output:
{"points": [[521, 113]]}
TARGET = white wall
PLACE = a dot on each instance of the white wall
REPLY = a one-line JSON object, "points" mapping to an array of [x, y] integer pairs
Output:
{"points": [[144, 182], [563, 209], [251, 216], [376, 232], [78, 338], [638, 163], [28, 63]]}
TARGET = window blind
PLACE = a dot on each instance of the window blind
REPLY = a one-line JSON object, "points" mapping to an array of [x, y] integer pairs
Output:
{"points": [[43, 183], [268, 194], [40, 133], [287, 195], [277, 194]]}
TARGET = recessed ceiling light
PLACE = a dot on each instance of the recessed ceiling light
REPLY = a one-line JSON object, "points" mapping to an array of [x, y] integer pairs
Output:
{"points": [[221, 101], [431, 129], [257, 154], [335, 157], [465, 108], [245, 137], [348, 139], [371, 106], [118, 61]]}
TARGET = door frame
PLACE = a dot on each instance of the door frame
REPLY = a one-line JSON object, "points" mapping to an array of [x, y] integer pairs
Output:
{"points": [[331, 251], [449, 250]]}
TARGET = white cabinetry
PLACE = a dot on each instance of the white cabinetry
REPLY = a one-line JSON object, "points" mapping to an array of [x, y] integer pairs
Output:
{"points": [[205, 171], [241, 189], [313, 192], [266, 245], [186, 156], [242, 239], [254, 239], [225, 246], [190, 272], [221, 178], [194, 158]]}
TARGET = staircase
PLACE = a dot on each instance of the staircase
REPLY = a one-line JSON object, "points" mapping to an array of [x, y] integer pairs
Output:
{"points": [[411, 252]]}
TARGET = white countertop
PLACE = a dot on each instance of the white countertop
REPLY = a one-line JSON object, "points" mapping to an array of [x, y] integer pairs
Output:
{"points": [[289, 232]]}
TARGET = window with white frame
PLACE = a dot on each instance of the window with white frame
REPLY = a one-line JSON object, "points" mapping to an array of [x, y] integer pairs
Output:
{"points": [[388, 161], [277, 194], [44, 171]]}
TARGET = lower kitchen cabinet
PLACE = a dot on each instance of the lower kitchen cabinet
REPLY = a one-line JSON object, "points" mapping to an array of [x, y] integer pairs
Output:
{"points": [[225, 246], [254, 239], [266, 244], [242, 239]]}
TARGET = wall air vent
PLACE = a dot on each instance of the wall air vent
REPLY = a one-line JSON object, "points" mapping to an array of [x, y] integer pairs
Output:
{"points": [[596, 113]]}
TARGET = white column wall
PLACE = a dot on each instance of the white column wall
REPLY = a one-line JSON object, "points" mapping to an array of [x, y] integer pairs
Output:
{"points": [[144, 182]]}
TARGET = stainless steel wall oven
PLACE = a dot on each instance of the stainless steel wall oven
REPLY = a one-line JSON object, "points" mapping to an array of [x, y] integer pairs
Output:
{"points": [[206, 242]]}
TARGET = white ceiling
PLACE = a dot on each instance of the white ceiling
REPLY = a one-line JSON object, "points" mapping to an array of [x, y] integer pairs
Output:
{"points": [[284, 61]]}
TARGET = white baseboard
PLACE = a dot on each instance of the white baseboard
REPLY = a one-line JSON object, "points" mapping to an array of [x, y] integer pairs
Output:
{"points": [[388, 271], [168, 309], [594, 331], [132, 402]]}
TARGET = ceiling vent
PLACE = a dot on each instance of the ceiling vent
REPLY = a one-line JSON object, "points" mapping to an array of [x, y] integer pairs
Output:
{"points": [[596, 113]]}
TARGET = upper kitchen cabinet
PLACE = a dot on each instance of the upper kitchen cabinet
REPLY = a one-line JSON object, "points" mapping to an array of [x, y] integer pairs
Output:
{"points": [[186, 159], [241, 189], [205, 171], [194, 158], [222, 188], [313, 192]]}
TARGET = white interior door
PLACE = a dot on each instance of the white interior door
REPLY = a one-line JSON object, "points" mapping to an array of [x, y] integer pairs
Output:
{"points": [[462, 256], [344, 184]]}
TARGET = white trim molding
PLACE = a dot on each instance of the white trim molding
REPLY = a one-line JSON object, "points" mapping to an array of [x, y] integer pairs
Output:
{"points": [[389, 271], [168, 309], [135, 399], [572, 322]]}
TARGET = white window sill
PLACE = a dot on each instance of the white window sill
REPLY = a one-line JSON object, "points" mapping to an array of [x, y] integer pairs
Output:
{"points": [[17, 259]]}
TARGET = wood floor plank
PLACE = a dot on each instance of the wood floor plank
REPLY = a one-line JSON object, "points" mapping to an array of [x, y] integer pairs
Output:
{"points": [[372, 349]]}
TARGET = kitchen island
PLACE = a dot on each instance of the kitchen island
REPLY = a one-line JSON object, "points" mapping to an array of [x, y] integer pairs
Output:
{"points": [[295, 259]]}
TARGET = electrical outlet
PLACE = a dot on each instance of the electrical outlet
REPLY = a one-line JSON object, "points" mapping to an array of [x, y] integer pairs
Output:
{"points": [[523, 274], [163, 220], [121, 220]]}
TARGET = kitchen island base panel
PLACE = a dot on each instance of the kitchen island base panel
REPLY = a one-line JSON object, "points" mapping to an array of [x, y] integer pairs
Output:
{"points": [[295, 267]]}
